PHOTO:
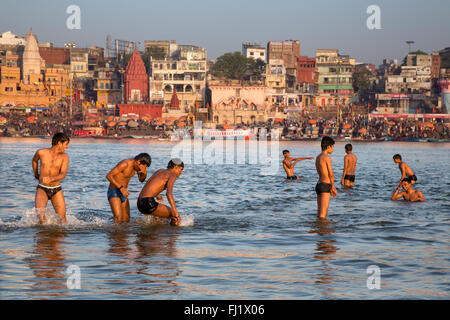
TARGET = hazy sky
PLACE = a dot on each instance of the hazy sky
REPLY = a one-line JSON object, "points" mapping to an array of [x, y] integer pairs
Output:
{"points": [[222, 26]]}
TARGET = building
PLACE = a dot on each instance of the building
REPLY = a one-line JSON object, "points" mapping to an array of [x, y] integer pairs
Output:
{"points": [[10, 39], [184, 71], [135, 80], [253, 50], [237, 104], [276, 75], [307, 74], [22, 79], [107, 86], [288, 51], [335, 78]]}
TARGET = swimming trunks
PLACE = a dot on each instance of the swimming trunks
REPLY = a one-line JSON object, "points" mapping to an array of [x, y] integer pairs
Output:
{"points": [[116, 193], [50, 191], [292, 178], [323, 187], [147, 205], [349, 177]]}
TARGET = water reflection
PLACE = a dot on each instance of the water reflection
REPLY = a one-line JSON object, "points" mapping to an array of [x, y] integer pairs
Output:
{"points": [[156, 259], [325, 252], [48, 264]]}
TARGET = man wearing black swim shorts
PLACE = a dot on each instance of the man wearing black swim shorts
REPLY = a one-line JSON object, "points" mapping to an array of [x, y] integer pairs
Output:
{"points": [[54, 164], [161, 180], [325, 187], [348, 176]]}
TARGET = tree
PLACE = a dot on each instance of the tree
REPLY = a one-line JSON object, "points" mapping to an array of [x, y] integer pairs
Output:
{"points": [[237, 67], [230, 66], [361, 80]]}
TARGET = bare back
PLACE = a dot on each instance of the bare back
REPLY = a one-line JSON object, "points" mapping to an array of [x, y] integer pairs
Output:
{"points": [[406, 169], [157, 183], [350, 164]]}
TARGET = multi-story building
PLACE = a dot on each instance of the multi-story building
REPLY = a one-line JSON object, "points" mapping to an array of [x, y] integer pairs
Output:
{"points": [[307, 74], [254, 50], [288, 51], [276, 75], [183, 71], [107, 86], [335, 78]]}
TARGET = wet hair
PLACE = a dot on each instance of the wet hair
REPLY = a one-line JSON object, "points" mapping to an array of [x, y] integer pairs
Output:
{"points": [[407, 179], [348, 147], [285, 151], [59, 137], [326, 142], [175, 162], [144, 158], [397, 156]]}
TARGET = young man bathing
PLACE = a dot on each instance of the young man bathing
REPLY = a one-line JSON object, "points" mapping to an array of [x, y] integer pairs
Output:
{"points": [[348, 176], [118, 178], [409, 194], [406, 170], [54, 164], [161, 180], [325, 187], [289, 164]]}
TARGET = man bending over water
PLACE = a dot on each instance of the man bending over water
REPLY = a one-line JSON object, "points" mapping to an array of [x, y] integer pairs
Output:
{"points": [[409, 194], [160, 180], [406, 170], [289, 164], [53, 168], [325, 187], [348, 176], [119, 177]]}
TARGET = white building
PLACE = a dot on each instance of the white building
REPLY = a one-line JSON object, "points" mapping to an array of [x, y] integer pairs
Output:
{"points": [[8, 38], [254, 51]]}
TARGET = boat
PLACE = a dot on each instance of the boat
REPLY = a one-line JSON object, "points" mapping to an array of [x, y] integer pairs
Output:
{"points": [[239, 134]]}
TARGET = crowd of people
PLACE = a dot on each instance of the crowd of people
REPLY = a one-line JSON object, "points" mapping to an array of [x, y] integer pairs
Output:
{"points": [[359, 126]]}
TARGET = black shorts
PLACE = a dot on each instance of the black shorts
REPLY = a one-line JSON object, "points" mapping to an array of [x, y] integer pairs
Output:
{"points": [[147, 205], [349, 177], [292, 178], [50, 191], [323, 187]]}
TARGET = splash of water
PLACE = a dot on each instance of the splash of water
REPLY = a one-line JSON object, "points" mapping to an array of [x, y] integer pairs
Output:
{"points": [[186, 221], [30, 218]]}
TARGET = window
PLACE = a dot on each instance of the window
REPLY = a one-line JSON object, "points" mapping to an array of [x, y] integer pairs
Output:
{"points": [[101, 85]]}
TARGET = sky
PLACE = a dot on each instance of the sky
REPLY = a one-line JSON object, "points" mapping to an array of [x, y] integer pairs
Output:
{"points": [[222, 26]]}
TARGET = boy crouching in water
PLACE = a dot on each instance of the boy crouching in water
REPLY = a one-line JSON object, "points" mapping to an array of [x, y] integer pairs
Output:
{"points": [[161, 180]]}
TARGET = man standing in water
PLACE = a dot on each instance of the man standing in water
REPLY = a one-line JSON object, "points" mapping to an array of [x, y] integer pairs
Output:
{"points": [[409, 194], [53, 168], [325, 187], [160, 180], [118, 178], [348, 176], [289, 164]]}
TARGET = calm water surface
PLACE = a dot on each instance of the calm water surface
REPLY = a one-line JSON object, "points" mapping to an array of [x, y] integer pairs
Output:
{"points": [[248, 235]]}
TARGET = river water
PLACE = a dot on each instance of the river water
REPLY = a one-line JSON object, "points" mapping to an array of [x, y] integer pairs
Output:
{"points": [[246, 235]]}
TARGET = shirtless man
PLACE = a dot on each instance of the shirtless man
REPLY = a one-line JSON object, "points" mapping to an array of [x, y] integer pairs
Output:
{"points": [[160, 180], [289, 164], [53, 168], [406, 170], [118, 178], [409, 194], [348, 176], [325, 187]]}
